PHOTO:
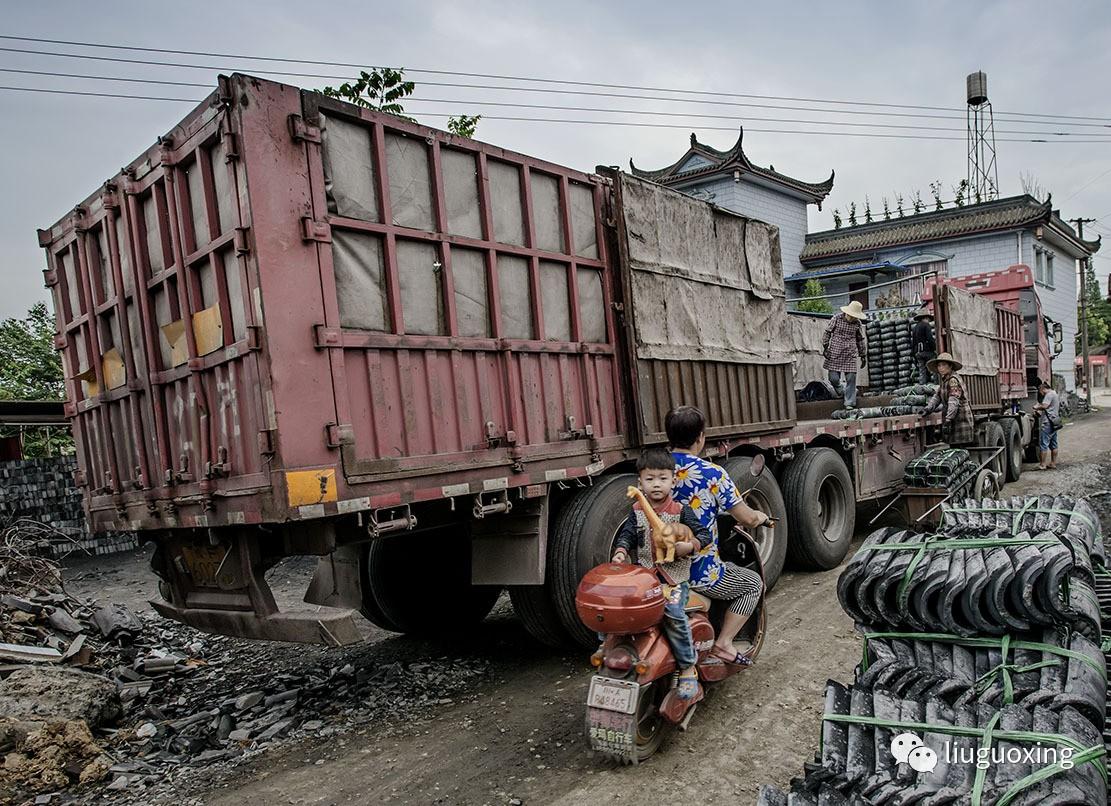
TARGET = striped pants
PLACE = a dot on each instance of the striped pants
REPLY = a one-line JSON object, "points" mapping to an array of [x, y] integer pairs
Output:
{"points": [[738, 586]]}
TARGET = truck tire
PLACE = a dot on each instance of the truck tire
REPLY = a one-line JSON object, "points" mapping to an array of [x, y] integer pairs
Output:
{"points": [[1012, 437], [991, 436], [821, 507], [771, 542], [581, 537], [436, 599], [534, 607]]}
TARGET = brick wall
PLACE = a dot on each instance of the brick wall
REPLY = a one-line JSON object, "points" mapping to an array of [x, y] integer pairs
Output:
{"points": [[43, 490]]}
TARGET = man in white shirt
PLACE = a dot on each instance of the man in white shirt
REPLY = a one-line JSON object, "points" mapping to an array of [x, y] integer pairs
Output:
{"points": [[1050, 409]]}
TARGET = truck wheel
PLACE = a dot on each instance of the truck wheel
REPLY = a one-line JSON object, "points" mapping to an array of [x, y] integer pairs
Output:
{"points": [[534, 607], [821, 508], [991, 436], [581, 537], [771, 541], [422, 583], [1012, 437]]}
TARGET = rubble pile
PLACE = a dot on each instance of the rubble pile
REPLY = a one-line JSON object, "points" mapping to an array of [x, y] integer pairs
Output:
{"points": [[96, 692]]}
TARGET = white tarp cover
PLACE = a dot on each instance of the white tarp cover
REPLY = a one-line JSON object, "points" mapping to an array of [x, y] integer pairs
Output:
{"points": [[972, 337], [707, 284]]}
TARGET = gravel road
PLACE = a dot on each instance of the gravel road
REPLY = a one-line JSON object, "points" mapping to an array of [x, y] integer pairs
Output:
{"points": [[517, 734]]}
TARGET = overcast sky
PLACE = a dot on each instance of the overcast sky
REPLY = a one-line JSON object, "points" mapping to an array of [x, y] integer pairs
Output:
{"points": [[1040, 58]]}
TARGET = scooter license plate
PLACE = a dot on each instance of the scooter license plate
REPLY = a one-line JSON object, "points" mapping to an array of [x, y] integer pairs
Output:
{"points": [[613, 695]]}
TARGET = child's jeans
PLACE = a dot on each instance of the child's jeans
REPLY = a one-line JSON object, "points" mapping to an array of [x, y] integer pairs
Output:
{"points": [[677, 627]]}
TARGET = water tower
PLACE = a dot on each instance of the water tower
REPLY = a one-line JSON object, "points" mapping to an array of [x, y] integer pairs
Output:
{"points": [[983, 175]]}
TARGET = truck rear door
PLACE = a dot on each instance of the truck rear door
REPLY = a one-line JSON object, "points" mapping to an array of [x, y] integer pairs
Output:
{"points": [[468, 302]]}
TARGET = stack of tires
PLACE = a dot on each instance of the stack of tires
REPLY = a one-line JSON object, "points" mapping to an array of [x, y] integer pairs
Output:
{"points": [[890, 360], [983, 678]]}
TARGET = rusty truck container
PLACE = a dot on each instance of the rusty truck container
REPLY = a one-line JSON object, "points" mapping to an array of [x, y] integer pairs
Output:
{"points": [[988, 339], [296, 326]]}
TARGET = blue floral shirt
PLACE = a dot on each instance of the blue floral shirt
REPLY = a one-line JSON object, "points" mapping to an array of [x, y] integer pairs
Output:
{"points": [[707, 489]]}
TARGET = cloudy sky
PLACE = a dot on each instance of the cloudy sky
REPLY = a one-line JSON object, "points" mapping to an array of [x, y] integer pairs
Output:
{"points": [[1045, 60]]}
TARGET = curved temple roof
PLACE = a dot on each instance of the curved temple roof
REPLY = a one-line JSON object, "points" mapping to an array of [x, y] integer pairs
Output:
{"points": [[734, 159]]}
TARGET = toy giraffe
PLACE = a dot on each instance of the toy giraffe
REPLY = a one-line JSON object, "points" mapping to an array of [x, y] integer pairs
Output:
{"points": [[664, 535]]}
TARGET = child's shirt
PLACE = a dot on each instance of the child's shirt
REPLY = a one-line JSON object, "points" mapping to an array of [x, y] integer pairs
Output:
{"points": [[635, 536]]}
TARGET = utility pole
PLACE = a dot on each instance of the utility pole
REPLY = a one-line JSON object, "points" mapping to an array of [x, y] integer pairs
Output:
{"points": [[1080, 222]]}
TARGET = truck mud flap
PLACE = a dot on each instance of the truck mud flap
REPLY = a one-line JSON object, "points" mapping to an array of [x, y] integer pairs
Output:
{"points": [[333, 629]]}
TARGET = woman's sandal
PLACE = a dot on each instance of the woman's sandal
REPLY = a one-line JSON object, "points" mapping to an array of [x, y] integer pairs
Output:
{"points": [[735, 658], [688, 685]]}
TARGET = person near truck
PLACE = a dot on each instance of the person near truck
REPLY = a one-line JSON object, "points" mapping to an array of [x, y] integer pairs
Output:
{"points": [[951, 399], [923, 344], [656, 479], [1050, 423], [709, 491], [844, 350]]}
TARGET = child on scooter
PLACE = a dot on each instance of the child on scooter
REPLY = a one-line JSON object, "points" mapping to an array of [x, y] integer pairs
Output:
{"points": [[656, 477]]}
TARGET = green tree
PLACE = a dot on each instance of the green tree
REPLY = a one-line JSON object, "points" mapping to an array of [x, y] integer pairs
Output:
{"points": [[917, 202], [382, 89], [463, 125], [30, 367], [836, 218], [812, 292], [1099, 313], [852, 214], [867, 210], [935, 191], [886, 210]]}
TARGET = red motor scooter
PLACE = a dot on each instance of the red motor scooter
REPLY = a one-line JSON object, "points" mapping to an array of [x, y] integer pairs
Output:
{"points": [[633, 703]]}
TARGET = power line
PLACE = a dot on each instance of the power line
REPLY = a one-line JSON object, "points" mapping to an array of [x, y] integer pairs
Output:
{"points": [[585, 122], [458, 85], [532, 79], [652, 113], [1090, 182]]}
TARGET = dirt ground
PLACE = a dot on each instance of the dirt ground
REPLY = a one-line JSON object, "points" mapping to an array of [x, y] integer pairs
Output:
{"points": [[519, 737]]}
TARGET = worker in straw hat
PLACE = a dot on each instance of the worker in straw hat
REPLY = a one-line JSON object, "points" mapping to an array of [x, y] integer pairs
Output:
{"points": [[843, 347], [923, 344], [951, 398]]}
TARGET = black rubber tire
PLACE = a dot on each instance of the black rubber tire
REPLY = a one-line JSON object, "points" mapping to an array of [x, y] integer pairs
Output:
{"points": [[991, 436], [821, 507], [581, 537], [370, 609], [533, 606], [1012, 437], [768, 498], [446, 601], [1033, 452]]}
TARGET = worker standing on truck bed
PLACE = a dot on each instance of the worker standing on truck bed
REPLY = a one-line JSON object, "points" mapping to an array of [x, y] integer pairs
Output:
{"points": [[843, 346], [923, 344], [951, 398]]}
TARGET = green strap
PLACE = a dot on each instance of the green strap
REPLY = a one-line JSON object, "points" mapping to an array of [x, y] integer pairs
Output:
{"points": [[981, 770], [1037, 646], [1099, 569], [1026, 736], [1083, 757], [1020, 514], [1050, 511]]}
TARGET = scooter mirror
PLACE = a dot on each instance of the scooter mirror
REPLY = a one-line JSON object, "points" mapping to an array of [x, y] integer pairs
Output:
{"points": [[757, 466]]}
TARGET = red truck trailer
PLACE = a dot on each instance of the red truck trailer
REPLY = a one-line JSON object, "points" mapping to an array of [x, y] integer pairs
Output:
{"points": [[298, 327], [1005, 360]]}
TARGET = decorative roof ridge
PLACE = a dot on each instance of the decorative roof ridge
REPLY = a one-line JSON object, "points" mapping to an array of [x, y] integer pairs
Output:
{"points": [[734, 158], [1042, 209]]}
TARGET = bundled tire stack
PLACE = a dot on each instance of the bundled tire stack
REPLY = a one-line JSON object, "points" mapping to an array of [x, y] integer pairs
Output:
{"points": [[983, 679], [890, 361], [952, 468]]}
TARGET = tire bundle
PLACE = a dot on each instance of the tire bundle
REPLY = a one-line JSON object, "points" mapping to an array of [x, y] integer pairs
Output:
{"points": [[971, 585], [982, 679], [940, 467], [890, 362], [859, 762]]}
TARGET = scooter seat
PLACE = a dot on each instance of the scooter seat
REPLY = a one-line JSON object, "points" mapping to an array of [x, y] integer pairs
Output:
{"points": [[697, 603]]}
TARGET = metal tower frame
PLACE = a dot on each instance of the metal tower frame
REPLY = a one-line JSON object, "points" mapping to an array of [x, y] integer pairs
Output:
{"points": [[983, 174]]}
